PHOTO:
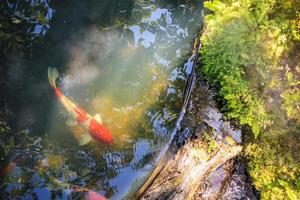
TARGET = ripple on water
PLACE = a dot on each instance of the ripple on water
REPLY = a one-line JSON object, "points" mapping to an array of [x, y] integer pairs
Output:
{"points": [[128, 69]]}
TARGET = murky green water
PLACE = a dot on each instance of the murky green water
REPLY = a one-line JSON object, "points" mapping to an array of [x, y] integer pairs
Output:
{"points": [[121, 59]]}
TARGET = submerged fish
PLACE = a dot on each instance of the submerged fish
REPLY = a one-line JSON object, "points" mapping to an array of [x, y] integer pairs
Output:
{"points": [[10, 166], [93, 125], [90, 194]]}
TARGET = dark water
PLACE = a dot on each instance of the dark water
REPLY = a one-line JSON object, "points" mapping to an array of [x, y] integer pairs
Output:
{"points": [[122, 59]]}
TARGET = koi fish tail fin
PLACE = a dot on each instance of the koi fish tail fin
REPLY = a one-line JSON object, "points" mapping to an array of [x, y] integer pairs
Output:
{"points": [[84, 139], [52, 76]]}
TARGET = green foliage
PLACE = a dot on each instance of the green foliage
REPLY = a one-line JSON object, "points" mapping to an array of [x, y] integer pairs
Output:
{"points": [[292, 103], [242, 45], [246, 53], [212, 145], [274, 165], [291, 95], [230, 47]]}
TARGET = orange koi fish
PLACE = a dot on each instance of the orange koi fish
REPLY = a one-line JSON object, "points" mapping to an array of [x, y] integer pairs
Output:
{"points": [[93, 125]]}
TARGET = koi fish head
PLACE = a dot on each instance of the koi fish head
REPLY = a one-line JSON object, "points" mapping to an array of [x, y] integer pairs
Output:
{"points": [[99, 132]]}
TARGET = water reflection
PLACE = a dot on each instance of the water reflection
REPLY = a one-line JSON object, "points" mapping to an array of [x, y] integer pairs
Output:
{"points": [[128, 70], [35, 15]]}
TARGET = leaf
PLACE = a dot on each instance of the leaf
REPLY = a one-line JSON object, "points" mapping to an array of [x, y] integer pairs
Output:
{"points": [[15, 20]]}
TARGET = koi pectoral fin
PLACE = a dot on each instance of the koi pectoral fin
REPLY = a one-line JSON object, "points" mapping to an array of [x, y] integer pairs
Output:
{"points": [[71, 122], [85, 139], [97, 117]]}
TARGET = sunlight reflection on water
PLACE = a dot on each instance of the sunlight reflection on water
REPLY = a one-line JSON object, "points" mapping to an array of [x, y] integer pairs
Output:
{"points": [[133, 76]]}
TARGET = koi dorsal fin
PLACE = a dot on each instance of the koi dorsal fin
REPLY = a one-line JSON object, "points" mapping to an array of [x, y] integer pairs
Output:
{"points": [[52, 76], [97, 117]]}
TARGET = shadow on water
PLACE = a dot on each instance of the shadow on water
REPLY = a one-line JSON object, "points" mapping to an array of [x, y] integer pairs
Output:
{"points": [[122, 59]]}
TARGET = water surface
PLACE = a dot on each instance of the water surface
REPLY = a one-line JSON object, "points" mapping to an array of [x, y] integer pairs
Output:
{"points": [[123, 60]]}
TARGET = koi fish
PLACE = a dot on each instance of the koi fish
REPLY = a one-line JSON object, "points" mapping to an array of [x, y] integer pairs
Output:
{"points": [[90, 194], [93, 125], [10, 166]]}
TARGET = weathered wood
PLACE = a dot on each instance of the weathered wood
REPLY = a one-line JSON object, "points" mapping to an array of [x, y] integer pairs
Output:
{"points": [[182, 175]]}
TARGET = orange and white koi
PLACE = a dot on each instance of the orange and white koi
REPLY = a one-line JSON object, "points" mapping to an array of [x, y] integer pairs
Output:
{"points": [[93, 125]]}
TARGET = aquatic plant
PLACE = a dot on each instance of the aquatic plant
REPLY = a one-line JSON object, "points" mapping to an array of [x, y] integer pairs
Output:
{"points": [[21, 23]]}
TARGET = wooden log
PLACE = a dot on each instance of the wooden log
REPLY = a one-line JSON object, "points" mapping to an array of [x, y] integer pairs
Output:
{"points": [[183, 174]]}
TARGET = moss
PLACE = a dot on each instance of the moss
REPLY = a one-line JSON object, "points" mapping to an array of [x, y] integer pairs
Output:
{"points": [[211, 145], [200, 154]]}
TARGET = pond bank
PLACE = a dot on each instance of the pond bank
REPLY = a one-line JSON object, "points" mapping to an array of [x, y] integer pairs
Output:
{"points": [[199, 163]]}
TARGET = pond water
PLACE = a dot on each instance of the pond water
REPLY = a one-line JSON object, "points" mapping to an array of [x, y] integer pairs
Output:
{"points": [[121, 59]]}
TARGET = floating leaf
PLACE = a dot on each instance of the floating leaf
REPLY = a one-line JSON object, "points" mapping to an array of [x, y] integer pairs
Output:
{"points": [[16, 20]]}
